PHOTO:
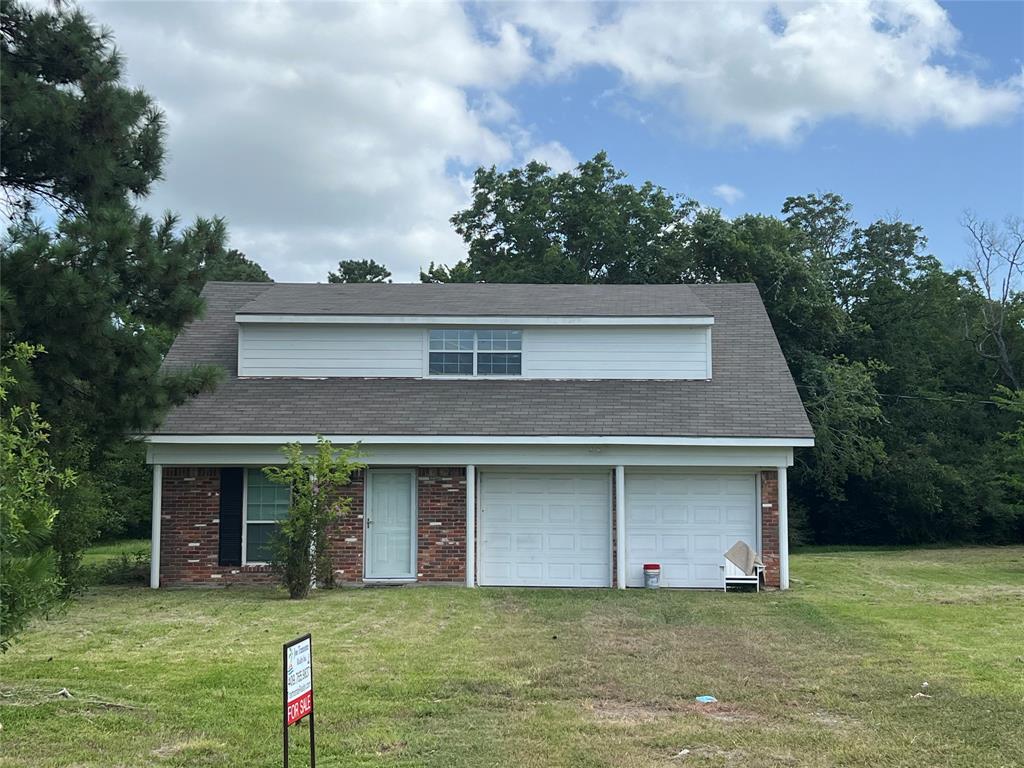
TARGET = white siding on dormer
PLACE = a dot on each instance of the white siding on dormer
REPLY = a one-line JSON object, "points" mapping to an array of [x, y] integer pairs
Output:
{"points": [[549, 352], [616, 353], [330, 350]]}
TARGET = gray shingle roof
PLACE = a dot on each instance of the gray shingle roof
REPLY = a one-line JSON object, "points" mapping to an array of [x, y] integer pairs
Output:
{"points": [[480, 299], [751, 393]]}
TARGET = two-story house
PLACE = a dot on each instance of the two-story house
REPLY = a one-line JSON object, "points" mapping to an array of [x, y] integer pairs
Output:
{"points": [[538, 435]]}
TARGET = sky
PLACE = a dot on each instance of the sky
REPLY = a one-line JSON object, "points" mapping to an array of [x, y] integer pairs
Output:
{"points": [[325, 131]]}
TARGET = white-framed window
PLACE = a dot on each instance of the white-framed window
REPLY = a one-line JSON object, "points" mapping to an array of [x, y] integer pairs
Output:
{"points": [[266, 504], [467, 352]]}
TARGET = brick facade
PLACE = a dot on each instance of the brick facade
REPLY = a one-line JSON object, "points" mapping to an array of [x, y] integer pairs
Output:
{"points": [[441, 524], [190, 532], [770, 526], [190, 529]]}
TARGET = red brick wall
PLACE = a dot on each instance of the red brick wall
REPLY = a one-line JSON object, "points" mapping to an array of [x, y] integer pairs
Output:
{"points": [[441, 524], [346, 535], [770, 526], [190, 532]]}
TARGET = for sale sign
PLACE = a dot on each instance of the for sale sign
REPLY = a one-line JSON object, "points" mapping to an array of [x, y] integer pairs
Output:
{"points": [[298, 699]]}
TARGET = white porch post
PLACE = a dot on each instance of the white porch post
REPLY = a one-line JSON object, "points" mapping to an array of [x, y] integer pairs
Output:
{"points": [[620, 527], [470, 525], [154, 558], [783, 530]]}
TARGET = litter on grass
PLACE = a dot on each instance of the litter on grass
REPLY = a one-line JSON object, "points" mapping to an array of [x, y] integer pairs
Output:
{"points": [[707, 699]]}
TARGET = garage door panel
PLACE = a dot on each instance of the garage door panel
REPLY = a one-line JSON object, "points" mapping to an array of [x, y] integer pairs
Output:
{"points": [[686, 522], [528, 542], [593, 514], [674, 544], [561, 542], [704, 486], [501, 542], [559, 526], [737, 517], [704, 544], [706, 574], [644, 514], [737, 486], [528, 513], [672, 514], [711, 515]]}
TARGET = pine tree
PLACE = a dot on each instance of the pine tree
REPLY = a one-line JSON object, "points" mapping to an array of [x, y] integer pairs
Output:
{"points": [[102, 287]]}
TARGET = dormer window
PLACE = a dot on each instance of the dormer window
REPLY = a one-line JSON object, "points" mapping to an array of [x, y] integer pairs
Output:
{"points": [[462, 352]]}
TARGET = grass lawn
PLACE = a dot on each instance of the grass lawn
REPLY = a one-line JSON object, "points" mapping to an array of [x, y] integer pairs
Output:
{"points": [[824, 675], [103, 551]]}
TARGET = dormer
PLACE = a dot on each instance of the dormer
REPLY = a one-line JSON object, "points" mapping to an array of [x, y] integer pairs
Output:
{"points": [[476, 331]]}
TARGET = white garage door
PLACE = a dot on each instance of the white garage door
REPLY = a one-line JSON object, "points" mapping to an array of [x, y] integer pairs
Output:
{"points": [[686, 522], [545, 530]]}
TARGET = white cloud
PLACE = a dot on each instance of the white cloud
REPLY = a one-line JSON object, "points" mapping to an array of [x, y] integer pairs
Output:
{"points": [[775, 70], [325, 131], [728, 193], [552, 154]]}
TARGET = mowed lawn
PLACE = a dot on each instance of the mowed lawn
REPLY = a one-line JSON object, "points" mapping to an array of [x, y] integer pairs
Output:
{"points": [[826, 674]]}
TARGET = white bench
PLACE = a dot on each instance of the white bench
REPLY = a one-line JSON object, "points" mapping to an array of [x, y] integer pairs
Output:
{"points": [[734, 575]]}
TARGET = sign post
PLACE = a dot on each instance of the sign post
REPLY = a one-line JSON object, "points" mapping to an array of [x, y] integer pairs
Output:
{"points": [[297, 684]]}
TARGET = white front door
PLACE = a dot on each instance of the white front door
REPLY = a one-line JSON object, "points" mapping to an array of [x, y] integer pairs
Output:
{"points": [[390, 524], [685, 522], [545, 529]]}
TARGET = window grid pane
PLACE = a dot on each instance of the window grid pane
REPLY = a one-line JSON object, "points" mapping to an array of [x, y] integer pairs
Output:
{"points": [[467, 352], [265, 499], [499, 341], [499, 364], [449, 339], [258, 542], [451, 363]]}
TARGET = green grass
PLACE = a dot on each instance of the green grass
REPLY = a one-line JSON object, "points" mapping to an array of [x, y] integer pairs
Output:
{"points": [[824, 675], [108, 550]]}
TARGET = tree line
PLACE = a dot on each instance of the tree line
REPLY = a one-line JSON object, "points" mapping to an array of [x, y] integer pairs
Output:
{"points": [[910, 372]]}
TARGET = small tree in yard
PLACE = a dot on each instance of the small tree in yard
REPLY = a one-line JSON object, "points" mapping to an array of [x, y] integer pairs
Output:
{"points": [[300, 551], [29, 585]]}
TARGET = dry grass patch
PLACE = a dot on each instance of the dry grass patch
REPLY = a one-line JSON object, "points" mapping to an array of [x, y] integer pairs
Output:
{"points": [[822, 676]]}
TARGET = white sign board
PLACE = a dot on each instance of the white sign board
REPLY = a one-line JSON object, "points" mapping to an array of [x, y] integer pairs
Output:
{"points": [[299, 680]]}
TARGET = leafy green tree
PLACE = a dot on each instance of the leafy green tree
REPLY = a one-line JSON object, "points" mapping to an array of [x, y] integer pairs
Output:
{"points": [[895, 356], [360, 271], [586, 226], [300, 548], [460, 272], [233, 266], [842, 403], [29, 583], [1013, 401]]}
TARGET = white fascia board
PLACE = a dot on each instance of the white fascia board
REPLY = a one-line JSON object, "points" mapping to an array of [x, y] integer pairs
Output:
{"points": [[724, 442], [474, 320]]}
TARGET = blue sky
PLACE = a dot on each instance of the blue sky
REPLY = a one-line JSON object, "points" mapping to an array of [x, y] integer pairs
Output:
{"points": [[326, 131], [927, 176]]}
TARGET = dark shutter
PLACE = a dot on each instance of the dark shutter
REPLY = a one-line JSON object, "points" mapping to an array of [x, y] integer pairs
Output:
{"points": [[231, 479]]}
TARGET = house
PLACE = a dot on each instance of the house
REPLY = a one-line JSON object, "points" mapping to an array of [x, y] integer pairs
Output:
{"points": [[539, 435]]}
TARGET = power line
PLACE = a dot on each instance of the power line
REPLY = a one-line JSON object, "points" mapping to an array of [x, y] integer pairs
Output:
{"points": [[941, 399]]}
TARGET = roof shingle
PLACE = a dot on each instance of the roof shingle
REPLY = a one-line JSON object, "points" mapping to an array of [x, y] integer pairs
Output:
{"points": [[478, 299], [751, 393]]}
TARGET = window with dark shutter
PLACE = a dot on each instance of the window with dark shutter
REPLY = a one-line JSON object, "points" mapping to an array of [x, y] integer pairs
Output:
{"points": [[231, 482]]}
